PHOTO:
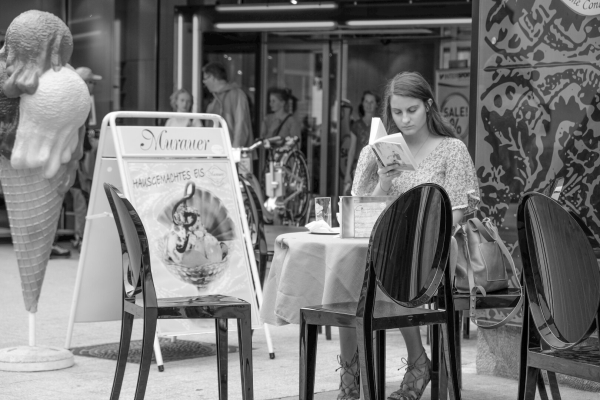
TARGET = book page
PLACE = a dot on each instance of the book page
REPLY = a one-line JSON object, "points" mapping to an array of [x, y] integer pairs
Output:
{"points": [[377, 130], [390, 149], [393, 153]]}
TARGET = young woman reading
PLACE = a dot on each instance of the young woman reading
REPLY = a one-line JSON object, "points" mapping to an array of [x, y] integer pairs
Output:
{"points": [[409, 108]]}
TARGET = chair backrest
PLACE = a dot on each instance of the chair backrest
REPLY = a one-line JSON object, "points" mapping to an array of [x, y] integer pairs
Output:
{"points": [[560, 270], [137, 277], [554, 188], [409, 245]]}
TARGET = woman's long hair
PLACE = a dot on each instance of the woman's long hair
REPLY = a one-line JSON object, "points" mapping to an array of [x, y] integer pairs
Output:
{"points": [[412, 84]]}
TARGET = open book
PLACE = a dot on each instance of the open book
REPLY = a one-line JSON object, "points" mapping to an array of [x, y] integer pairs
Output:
{"points": [[390, 149]]}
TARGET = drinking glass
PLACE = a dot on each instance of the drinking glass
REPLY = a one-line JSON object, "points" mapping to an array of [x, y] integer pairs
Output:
{"points": [[323, 209]]}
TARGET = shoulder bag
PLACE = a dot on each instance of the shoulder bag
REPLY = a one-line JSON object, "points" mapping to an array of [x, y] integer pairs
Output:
{"points": [[483, 265]]}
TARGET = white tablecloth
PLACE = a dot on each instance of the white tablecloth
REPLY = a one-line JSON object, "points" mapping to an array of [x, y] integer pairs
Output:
{"points": [[309, 270]]}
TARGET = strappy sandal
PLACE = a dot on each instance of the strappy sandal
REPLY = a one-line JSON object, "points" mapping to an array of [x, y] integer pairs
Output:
{"points": [[349, 372], [415, 380]]}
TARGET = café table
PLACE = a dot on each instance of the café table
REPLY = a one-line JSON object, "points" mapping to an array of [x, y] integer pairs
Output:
{"points": [[310, 269]]}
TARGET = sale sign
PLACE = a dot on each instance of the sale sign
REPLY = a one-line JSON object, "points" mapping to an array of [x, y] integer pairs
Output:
{"points": [[452, 92]]}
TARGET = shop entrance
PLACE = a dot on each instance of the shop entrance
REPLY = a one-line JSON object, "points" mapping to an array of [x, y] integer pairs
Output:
{"points": [[324, 71], [312, 81]]}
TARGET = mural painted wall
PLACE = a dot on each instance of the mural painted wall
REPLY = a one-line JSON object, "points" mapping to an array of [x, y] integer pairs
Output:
{"points": [[538, 108]]}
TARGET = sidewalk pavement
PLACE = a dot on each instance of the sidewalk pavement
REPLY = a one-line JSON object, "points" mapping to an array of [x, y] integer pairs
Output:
{"points": [[91, 378]]}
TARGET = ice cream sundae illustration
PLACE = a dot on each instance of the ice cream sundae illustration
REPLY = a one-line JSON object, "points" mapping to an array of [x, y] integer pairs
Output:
{"points": [[197, 246]]}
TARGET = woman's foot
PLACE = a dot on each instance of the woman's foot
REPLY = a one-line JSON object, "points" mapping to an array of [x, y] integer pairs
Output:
{"points": [[349, 379], [415, 380]]}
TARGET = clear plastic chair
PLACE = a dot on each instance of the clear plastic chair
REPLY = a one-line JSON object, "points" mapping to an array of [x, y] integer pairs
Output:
{"points": [[139, 300], [561, 275], [407, 259]]}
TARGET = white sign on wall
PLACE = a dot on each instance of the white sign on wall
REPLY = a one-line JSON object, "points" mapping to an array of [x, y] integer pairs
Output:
{"points": [[584, 7]]}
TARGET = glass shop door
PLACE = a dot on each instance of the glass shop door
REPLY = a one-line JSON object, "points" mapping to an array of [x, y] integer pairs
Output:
{"points": [[311, 71]]}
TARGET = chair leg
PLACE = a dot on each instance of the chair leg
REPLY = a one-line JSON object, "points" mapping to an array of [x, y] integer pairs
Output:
{"points": [[245, 343], [553, 383], [443, 377], [308, 358], [150, 317], [531, 379], [457, 346], [126, 327], [380, 363], [221, 330], [364, 338], [541, 386], [435, 361], [466, 321], [528, 376], [450, 359], [327, 332]]}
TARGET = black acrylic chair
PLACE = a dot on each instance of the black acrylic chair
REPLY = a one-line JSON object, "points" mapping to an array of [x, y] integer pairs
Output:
{"points": [[139, 300], [407, 258], [562, 283]]}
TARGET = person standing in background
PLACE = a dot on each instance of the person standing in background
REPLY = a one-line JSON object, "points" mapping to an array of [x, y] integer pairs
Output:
{"points": [[366, 110], [181, 102], [280, 122], [230, 102]]}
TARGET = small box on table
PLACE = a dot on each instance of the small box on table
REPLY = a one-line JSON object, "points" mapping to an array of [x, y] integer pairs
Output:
{"points": [[358, 214]]}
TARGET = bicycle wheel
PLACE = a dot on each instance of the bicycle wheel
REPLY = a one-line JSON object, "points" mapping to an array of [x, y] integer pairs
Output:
{"points": [[253, 212], [296, 183]]}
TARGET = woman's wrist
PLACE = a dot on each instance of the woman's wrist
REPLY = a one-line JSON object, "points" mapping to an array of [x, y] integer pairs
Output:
{"points": [[382, 188]]}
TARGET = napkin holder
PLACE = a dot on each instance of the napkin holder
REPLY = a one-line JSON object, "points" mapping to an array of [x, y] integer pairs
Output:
{"points": [[359, 214]]}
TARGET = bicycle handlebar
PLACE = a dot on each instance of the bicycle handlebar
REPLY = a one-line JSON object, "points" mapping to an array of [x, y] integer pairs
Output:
{"points": [[275, 140]]}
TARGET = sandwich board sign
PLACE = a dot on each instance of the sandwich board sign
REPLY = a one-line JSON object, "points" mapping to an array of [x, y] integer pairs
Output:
{"points": [[184, 185]]}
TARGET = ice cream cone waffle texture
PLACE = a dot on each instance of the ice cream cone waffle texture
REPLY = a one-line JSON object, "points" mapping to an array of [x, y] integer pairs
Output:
{"points": [[33, 204]]}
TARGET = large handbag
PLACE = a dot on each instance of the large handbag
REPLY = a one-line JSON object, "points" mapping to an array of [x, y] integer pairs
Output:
{"points": [[483, 265]]}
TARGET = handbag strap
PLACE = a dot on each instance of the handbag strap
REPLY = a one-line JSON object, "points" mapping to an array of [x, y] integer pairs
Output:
{"points": [[483, 230], [276, 132], [474, 289]]}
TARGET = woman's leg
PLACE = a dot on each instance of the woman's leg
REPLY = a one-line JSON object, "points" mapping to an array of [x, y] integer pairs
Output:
{"points": [[349, 369], [348, 344], [418, 369], [414, 345]]}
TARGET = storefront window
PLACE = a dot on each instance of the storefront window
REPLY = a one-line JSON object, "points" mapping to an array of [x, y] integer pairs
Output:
{"points": [[301, 73]]}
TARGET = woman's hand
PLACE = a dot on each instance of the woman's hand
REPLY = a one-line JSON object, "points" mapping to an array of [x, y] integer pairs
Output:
{"points": [[387, 175]]}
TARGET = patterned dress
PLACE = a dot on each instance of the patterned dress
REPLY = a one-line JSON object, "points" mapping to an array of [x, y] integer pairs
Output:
{"points": [[448, 165]]}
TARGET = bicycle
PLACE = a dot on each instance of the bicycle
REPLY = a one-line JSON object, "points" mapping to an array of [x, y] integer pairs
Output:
{"points": [[286, 198]]}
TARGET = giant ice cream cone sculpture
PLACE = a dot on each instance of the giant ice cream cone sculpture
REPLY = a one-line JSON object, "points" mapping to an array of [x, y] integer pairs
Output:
{"points": [[39, 151], [43, 105]]}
